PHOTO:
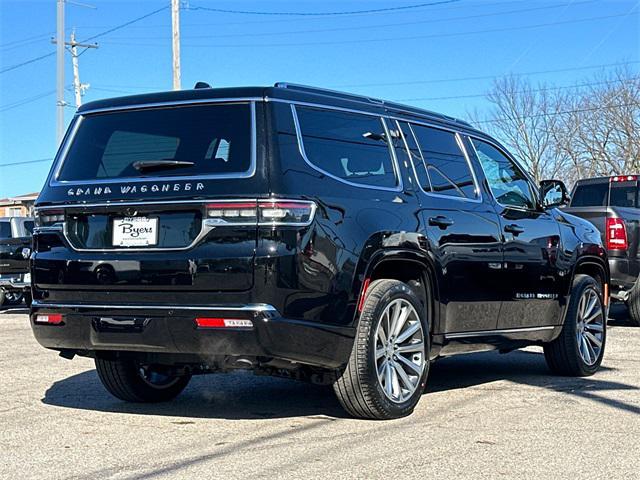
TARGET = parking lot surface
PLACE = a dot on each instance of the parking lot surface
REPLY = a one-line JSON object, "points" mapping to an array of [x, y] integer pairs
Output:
{"points": [[483, 416]]}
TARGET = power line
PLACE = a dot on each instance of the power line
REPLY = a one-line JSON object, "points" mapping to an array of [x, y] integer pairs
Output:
{"points": [[387, 39], [24, 101], [482, 77], [113, 29], [27, 39], [562, 112], [26, 162], [320, 14], [366, 27], [477, 95]]}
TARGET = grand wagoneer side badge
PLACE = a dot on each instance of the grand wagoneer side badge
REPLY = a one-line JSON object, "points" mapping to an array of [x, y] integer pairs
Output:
{"points": [[133, 189]]}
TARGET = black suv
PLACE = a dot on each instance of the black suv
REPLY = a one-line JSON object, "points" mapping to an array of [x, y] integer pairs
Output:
{"points": [[304, 233]]}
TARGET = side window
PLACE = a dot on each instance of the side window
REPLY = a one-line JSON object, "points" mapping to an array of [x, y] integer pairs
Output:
{"points": [[447, 168], [348, 146], [507, 182], [417, 162]]}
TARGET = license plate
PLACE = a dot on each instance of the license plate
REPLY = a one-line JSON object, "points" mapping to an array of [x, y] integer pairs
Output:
{"points": [[135, 232]]}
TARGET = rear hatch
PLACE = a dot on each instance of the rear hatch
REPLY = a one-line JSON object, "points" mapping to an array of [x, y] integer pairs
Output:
{"points": [[128, 206]]}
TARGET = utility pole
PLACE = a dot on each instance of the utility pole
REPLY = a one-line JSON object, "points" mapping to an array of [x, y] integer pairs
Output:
{"points": [[60, 71], [73, 45], [175, 29]]}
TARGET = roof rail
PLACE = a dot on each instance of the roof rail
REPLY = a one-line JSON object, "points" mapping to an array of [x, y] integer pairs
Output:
{"points": [[375, 101]]}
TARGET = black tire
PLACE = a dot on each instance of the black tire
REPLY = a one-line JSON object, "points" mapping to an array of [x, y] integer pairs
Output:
{"points": [[122, 377], [28, 299], [562, 355], [633, 304], [357, 387]]}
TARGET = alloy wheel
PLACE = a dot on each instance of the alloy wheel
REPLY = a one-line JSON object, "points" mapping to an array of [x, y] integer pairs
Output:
{"points": [[399, 351], [590, 328]]}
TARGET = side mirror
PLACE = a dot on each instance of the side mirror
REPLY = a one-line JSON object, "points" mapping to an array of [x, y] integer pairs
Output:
{"points": [[553, 193]]}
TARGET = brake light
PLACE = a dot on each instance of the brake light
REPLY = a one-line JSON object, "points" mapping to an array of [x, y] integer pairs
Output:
{"points": [[207, 322], [49, 318], [616, 234], [48, 218], [624, 178], [262, 212]]}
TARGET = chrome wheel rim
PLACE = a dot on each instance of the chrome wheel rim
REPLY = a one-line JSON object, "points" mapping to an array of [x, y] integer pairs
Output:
{"points": [[399, 351], [590, 328]]}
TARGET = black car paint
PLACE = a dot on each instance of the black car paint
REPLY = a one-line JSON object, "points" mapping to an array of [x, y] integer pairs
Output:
{"points": [[481, 276]]}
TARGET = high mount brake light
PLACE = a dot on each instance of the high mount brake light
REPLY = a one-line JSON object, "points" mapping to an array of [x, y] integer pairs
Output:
{"points": [[624, 178], [262, 212], [616, 234]]}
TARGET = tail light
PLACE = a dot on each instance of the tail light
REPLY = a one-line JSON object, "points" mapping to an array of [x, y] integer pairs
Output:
{"points": [[49, 218], [616, 234], [263, 212]]}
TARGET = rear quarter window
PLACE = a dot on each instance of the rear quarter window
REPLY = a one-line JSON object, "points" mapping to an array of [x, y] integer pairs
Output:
{"points": [[347, 146], [204, 139]]}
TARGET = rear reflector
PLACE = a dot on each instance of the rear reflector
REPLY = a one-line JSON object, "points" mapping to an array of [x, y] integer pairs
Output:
{"points": [[363, 295], [616, 234], [207, 322], [49, 318]]}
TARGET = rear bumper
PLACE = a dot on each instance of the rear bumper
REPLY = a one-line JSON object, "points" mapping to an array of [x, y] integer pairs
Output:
{"points": [[15, 282], [172, 330], [624, 273]]}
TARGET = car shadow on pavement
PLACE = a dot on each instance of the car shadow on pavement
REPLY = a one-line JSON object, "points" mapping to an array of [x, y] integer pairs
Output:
{"points": [[241, 395]]}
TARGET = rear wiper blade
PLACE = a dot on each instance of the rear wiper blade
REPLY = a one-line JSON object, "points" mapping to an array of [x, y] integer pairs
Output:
{"points": [[160, 164]]}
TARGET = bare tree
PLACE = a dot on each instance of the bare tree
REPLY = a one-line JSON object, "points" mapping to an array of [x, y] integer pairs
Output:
{"points": [[589, 130]]}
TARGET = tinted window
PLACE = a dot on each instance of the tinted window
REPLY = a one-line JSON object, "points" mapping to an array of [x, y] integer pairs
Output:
{"points": [[508, 183], [5, 230], [623, 194], [28, 227], [216, 139], [348, 146], [446, 165], [594, 195], [419, 166]]}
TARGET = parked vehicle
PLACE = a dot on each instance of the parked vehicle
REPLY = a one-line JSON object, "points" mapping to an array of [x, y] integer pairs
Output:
{"points": [[15, 249], [611, 204], [304, 233]]}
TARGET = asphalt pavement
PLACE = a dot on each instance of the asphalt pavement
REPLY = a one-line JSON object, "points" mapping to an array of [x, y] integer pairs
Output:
{"points": [[484, 415]]}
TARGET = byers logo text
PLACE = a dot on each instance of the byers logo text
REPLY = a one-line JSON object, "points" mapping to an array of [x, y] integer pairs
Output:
{"points": [[133, 189]]}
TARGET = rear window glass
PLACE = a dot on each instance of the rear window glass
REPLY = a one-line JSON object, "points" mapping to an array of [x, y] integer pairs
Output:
{"points": [[183, 141], [28, 227], [590, 195], [448, 169], [5, 230], [623, 194], [347, 146]]}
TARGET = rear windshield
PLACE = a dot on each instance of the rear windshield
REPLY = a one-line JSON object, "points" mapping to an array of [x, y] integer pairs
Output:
{"points": [[180, 141], [623, 194], [590, 195], [5, 230]]}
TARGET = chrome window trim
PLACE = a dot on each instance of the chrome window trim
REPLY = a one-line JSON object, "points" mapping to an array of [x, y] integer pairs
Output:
{"points": [[463, 150], [251, 307], [141, 106], [484, 333], [250, 172], [515, 162], [399, 186]]}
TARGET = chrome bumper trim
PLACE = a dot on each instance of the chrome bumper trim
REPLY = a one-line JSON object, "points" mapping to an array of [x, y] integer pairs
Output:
{"points": [[252, 307]]}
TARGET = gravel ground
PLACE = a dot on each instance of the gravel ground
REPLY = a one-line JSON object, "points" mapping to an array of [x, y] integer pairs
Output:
{"points": [[484, 416]]}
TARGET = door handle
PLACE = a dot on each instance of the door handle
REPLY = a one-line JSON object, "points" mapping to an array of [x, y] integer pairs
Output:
{"points": [[514, 229], [440, 221]]}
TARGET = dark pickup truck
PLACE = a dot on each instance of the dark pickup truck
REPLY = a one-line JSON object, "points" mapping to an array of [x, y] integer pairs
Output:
{"points": [[15, 249], [613, 206]]}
